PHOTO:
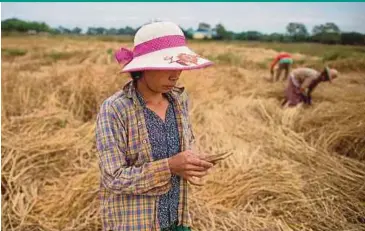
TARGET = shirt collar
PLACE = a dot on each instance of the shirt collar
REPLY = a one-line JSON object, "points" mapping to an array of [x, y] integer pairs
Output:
{"points": [[131, 92]]}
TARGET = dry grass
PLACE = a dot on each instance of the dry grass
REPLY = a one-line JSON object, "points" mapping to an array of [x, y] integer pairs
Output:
{"points": [[292, 169]]}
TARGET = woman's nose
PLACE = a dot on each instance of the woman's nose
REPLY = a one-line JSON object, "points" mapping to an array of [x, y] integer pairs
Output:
{"points": [[175, 76]]}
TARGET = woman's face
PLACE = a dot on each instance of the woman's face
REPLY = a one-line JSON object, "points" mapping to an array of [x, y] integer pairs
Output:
{"points": [[324, 76], [161, 81]]}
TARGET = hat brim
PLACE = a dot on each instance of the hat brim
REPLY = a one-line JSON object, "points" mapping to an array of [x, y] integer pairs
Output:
{"points": [[328, 72], [176, 58]]}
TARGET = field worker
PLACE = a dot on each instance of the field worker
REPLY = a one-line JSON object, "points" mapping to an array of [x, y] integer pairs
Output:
{"points": [[144, 136], [302, 82], [285, 62]]}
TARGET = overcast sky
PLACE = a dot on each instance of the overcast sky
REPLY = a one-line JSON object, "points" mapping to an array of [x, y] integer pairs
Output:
{"points": [[263, 17]]}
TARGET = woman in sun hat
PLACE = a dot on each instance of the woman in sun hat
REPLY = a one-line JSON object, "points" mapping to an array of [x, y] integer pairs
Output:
{"points": [[144, 136], [302, 81]]}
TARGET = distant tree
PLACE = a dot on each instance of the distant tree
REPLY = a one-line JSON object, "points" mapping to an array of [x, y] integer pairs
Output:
{"points": [[297, 31], [14, 24], [329, 27], [100, 30], [189, 33], [222, 33], [43, 27], [318, 29], [64, 30], [253, 35], [55, 31], [91, 31], [126, 31], [241, 36], [287, 39], [76, 30], [112, 31], [129, 31], [204, 26], [276, 37], [353, 38], [326, 33], [332, 28], [230, 35], [120, 31]]}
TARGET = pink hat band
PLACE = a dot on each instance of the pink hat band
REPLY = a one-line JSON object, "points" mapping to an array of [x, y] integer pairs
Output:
{"points": [[125, 56]]}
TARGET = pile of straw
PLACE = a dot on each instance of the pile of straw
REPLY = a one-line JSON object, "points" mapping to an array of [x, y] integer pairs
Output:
{"points": [[292, 169]]}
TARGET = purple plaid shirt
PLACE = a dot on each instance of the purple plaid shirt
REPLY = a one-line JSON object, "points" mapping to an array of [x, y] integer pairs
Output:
{"points": [[131, 182]]}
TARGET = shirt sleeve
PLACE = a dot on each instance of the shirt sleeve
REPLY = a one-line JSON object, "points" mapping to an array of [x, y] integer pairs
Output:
{"points": [[307, 81], [277, 58], [151, 178]]}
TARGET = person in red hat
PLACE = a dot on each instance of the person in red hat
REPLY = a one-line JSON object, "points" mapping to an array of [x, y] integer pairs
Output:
{"points": [[285, 62]]}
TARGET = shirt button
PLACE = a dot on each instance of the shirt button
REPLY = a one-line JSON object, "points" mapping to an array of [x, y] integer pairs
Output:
{"points": [[139, 123], [144, 141]]}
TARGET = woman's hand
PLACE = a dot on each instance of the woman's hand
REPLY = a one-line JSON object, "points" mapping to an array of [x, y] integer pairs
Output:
{"points": [[188, 165]]}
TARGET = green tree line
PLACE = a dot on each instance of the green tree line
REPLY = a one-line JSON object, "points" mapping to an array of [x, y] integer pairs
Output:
{"points": [[328, 33]]}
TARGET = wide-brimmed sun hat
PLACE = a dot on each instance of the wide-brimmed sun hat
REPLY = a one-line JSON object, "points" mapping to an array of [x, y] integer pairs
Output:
{"points": [[160, 46], [331, 73]]}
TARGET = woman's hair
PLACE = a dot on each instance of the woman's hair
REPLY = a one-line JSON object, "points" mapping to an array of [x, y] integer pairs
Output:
{"points": [[136, 75]]}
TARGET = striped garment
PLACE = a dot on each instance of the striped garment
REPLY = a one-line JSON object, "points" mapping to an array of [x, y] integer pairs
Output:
{"points": [[131, 182], [164, 139]]}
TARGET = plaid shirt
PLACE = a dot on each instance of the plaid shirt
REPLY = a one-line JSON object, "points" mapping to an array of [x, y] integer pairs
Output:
{"points": [[131, 181]]}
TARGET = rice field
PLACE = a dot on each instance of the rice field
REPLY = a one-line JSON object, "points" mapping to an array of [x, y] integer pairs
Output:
{"points": [[292, 169]]}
